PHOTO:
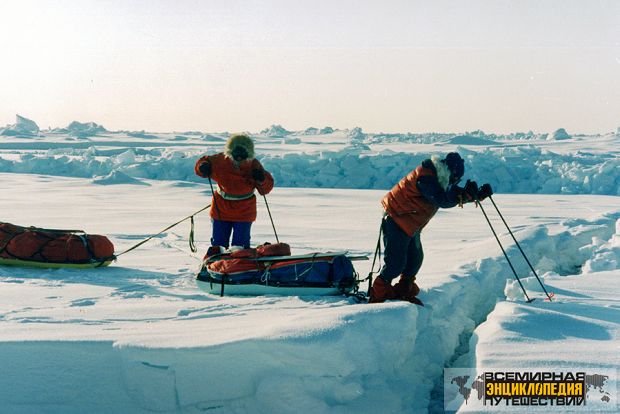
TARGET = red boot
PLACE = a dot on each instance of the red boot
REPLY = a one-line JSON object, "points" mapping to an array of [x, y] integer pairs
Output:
{"points": [[381, 291], [407, 289]]}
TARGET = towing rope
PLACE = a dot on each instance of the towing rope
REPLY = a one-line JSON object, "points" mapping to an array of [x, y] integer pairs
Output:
{"points": [[374, 259], [192, 246]]}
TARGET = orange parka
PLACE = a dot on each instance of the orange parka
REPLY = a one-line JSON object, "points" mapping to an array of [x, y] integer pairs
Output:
{"points": [[234, 197], [406, 204]]}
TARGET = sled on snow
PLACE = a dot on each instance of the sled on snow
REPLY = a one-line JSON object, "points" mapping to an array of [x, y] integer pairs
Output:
{"points": [[272, 270], [53, 248]]}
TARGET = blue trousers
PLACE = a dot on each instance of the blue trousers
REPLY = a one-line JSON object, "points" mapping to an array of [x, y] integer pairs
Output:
{"points": [[403, 254], [239, 229]]}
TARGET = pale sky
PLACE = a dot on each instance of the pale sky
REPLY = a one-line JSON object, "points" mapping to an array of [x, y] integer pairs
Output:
{"points": [[386, 66]]}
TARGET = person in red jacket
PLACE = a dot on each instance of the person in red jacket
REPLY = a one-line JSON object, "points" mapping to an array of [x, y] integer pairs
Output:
{"points": [[238, 174], [409, 206]]}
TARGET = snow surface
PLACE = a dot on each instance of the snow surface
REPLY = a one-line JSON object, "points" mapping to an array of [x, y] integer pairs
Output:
{"points": [[139, 336]]}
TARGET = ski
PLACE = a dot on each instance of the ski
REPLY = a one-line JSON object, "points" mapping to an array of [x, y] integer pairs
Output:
{"points": [[310, 256], [289, 258]]}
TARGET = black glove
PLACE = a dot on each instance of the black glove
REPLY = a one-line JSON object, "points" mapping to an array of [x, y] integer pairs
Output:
{"points": [[471, 189], [485, 191], [205, 169], [258, 175]]}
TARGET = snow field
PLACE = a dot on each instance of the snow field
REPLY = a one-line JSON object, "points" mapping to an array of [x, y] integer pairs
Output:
{"points": [[580, 329], [578, 332], [139, 336], [459, 306]]}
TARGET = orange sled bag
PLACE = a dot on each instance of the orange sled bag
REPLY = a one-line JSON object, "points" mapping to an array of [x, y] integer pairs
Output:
{"points": [[31, 246]]}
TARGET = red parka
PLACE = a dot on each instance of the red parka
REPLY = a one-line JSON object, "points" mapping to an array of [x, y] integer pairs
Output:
{"points": [[234, 181], [406, 204]]}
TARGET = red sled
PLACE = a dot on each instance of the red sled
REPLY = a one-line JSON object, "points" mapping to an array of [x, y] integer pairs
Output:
{"points": [[271, 269], [51, 248]]}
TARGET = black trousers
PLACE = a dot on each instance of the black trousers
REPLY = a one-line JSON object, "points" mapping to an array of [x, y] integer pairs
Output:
{"points": [[403, 254]]}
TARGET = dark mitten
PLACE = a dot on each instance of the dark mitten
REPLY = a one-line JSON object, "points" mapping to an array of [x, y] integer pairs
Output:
{"points": [[471, 189], [205, 169], [258, 175], [485, 191]]}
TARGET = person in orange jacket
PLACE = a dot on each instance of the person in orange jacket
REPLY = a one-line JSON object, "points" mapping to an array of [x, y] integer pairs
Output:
{"points": [[238, 174], [409, 206]]}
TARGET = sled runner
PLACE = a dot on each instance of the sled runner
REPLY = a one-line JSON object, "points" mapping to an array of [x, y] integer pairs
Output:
{"points": [[271, 269], [51, 248]]}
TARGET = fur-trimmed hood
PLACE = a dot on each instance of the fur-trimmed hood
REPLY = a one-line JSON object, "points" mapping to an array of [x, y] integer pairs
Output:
{"points": [[239, 140], [443, 172]]}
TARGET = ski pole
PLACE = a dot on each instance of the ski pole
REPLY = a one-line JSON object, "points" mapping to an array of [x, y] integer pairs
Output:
{"points": [[503, 251], [271, 218], [520, 249]]}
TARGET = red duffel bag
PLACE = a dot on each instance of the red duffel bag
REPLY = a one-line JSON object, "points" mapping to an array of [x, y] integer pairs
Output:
{"points": [[53, 246]]}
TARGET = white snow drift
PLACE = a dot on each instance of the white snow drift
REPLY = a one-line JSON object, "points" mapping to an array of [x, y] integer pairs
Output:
{"points": [[518, 163], [139, 336]]}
